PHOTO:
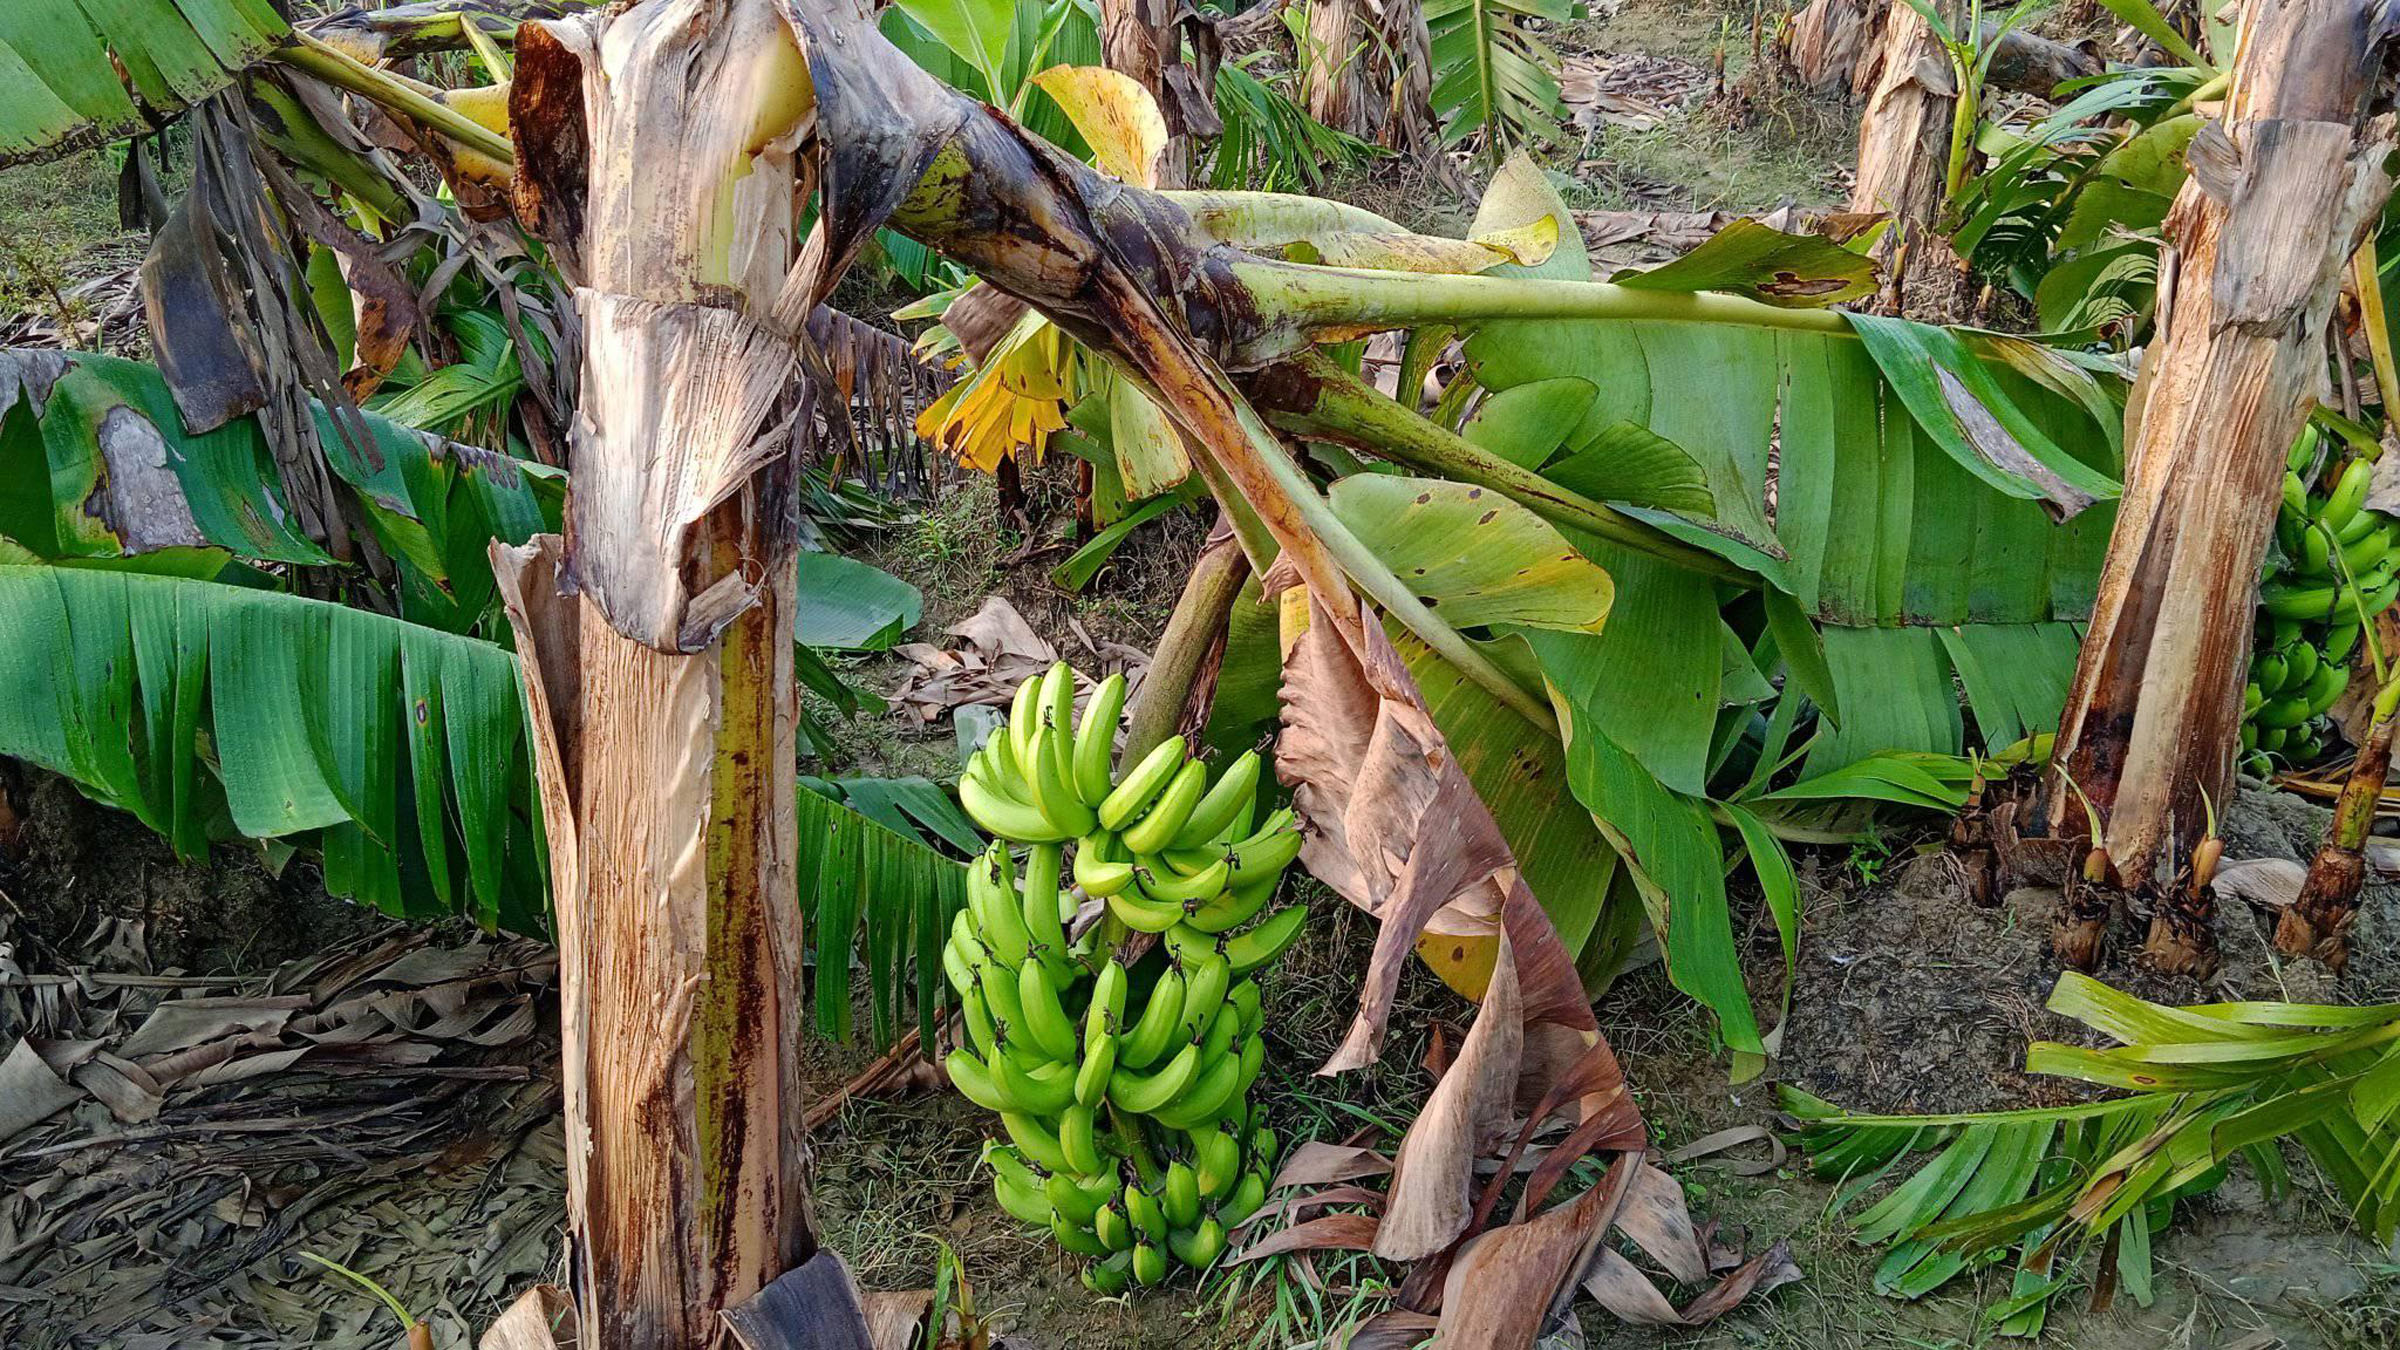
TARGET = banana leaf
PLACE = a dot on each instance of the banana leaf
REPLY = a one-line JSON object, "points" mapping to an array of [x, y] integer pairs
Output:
{"points": [[211, 710], [79, 72]]}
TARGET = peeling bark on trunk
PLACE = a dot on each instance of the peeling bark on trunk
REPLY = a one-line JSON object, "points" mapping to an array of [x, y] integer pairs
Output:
{"points": [[1828, 45], [2256, 245], [1903, 153], [656, 644], [1370, 72]]}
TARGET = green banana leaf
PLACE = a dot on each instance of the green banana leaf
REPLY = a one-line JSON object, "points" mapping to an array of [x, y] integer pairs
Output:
{"points": [[848, 605], [211, 710], [78, 72], [861, 881], [95, 464], [2059, 1185]]}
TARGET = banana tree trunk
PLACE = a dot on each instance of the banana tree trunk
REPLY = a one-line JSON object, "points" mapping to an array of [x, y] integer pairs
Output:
{"points": [[656, 644], [1903, 160], [1370, 72], [1139, 39], [2279, 194]]}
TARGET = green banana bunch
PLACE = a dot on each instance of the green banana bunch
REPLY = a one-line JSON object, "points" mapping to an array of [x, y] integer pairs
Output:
{"points": [[1122, 1088], [2334, 569]]}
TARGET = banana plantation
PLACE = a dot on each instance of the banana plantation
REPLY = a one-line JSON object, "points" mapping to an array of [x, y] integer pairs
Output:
{"points": [[1271, 673]]}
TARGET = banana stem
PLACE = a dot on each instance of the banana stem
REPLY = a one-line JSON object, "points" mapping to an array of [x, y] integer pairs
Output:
{"points": [[1192, 632], [393, 94], [1352, 297], [2366, 280]]}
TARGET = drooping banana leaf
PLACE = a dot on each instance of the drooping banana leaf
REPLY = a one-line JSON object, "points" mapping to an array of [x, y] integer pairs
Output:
{"points": [[211, 710], [79, 72], [2059, 1184], [95, 464], [856, 874], [848, 605]]}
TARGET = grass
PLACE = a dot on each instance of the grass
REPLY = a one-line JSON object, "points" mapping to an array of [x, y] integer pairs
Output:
{"points": [[58, 216]]}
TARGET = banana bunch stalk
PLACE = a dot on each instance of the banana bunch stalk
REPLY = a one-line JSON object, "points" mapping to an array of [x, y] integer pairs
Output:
{"points": [[2335, 572], [1130, 1133]]}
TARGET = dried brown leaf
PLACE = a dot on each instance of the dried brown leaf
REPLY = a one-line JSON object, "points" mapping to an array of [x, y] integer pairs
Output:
{"points": [[1503, 1284], [1331, 1232], [1433, 1175]]}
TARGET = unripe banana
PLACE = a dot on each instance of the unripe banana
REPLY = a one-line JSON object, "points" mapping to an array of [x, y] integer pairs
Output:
{"points": [[999, 917], [1199, 1105], [2369, 548], [1181, 1200], [1250, 950], [1003, 816], [1039, 905], [1096, 740], [1155, 1030], [1054, 793], [1107, 1011], [1114, 1230], [975, 1081], [2349, 493], [1199, 1247], [1075, 1238], [2341, 640], [956, 969], [980, 1027], [1166, 816], [1270, 850], [1030, 1092], [1145, 782], [2295, 494], [1243, 998], [1081, 1149], [1070, 1201], [1024, 718], [1149, 1266], [1262, 1147], [1205, 985], [1237, 906], [1144, 1094], [2316, 552], [2327, 685], [1019, 1192], [1216, 1161], [1248, 1194], [2300, 666], [1143, 1209], [1112, 1276], [1158, 883], [1045, 1024], [1223, 801], [1099, 1067], [1035, 1141], [1142, 914], [1099, 875]]}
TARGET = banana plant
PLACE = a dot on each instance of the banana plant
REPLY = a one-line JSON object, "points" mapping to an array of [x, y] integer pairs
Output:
{"points": [[1900, 445], [1493, 76], [2090, 1186]]}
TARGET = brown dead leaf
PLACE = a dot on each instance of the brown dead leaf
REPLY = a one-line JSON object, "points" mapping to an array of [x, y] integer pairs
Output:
{"points": [[1331, 1232], [1316, 1162], [1394, 826], [1433, 1175], [1503, 1285], [1630, 1296], [1655, 1217]]}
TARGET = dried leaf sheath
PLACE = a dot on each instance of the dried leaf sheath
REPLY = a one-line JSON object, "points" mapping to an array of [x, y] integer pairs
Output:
{"points": [[656, 642], [2259, 236]]}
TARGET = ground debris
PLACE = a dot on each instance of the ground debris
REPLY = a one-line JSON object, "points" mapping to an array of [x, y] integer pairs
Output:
{"points": [[387, 1104]]}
